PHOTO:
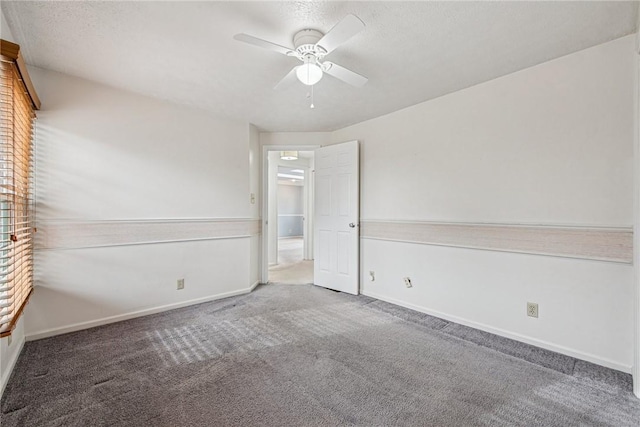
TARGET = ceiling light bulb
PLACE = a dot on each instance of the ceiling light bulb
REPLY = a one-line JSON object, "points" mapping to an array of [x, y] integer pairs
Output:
{"points": [[309, 73]]}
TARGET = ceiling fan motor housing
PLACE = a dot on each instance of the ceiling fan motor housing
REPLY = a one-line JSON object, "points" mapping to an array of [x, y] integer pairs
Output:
{"points": [[305, 43]]}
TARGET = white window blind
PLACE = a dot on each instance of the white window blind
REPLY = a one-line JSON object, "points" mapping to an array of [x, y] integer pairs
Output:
{"points": [[16, 190]]}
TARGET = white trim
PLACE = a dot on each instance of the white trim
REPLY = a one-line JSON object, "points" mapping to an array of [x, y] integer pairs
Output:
{"points": [[140, 313], [517, 224], [10, 366], [151, 242], [142, 220], [522, 338], [252, 287], [636, 216], [308, 211]]}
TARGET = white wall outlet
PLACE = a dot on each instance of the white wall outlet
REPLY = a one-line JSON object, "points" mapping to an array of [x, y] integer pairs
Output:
{"points": [[407, 282], [532, 309], [253, 198], [372, 276], [180, 284]]}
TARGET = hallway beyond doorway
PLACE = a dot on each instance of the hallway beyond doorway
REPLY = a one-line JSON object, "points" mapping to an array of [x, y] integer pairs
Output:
{"points": [[291, 268]]}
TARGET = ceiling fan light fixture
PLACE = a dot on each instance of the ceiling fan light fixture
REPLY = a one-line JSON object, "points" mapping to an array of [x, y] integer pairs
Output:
{"points": [[310, 47], [309, 73], [289, 155]]}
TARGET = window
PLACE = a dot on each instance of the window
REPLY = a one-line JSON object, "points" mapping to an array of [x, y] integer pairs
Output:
{"points": [[17, 118]]}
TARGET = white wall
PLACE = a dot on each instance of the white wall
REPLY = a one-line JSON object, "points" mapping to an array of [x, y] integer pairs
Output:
{"points": [[272, 216], [290, 199], [295, 138], [9, 352], [109, 154], [290, 210], [553, 145], [550, 144], [636, 257], [106, 154], [255, 171], [5, 31], [10, 348]]}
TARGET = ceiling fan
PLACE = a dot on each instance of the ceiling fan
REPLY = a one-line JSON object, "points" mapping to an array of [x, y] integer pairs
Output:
{"points": [[311, 46]]}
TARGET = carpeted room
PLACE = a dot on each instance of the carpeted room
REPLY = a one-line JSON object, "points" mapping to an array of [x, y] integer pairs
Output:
{"points": [[304, 355], [496, 169]]}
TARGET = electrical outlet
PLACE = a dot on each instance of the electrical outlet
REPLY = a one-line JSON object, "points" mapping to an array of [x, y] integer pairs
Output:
{"points": [[532, 309], [180, 284], [253, 198], [372, 276], [407, 282]]}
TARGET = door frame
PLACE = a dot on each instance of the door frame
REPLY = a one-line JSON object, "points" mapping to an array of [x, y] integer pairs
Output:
{"points": [[635, 368], [307, 212], [264, 274]]}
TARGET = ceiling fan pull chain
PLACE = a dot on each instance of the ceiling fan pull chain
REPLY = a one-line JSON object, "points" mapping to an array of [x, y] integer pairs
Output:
{"points": [[312, 106]]}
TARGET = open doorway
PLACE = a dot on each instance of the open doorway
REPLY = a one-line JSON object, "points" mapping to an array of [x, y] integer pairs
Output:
{"points": [[290, 216]]}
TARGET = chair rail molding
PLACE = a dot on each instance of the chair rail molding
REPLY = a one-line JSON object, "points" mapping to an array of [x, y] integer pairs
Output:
{"points": [[78, 234], [611, 244]]}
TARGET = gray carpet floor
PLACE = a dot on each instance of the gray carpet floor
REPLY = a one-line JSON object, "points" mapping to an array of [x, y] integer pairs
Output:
{"points": [[305, 356]]}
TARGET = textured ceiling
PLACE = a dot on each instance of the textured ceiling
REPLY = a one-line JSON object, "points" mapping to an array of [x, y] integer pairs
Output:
{"points": [[410, 51]]}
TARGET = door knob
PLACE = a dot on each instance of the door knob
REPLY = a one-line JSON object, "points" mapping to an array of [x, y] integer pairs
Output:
{"points": [[352, 225]]}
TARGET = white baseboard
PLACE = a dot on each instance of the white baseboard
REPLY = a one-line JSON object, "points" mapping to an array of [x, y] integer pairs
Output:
{"points": [[120, 317], [252, 287], [522, 338], [12, 363]]}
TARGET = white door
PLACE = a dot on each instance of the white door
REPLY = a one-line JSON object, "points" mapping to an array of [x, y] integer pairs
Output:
{"points": [[336, 230]]}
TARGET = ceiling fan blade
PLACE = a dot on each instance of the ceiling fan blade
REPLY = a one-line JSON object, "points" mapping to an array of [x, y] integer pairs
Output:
{"points": [[262, 43], [344, 74], [343, 31], [287, 80]]}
